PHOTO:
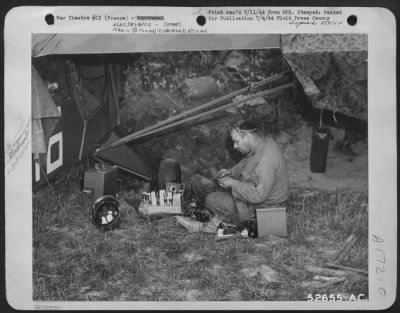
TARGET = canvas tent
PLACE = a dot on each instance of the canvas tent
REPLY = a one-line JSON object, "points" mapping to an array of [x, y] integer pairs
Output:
{"points": [[45, 114], [70, 124], [82, 119], [89, 112], [331, 68], [50, 44]]}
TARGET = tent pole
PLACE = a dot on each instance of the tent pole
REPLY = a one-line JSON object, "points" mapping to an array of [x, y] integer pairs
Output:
{"points": [[211, 103], [85, 122], [114, 92], [223, 107], [201, 107]]}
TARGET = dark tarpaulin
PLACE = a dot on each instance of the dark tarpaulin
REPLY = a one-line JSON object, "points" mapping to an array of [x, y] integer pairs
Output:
{"points": [[332, 69], [123, 157]]}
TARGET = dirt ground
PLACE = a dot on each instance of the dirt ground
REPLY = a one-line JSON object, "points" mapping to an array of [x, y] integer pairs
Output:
{"points": [[342, 171]]}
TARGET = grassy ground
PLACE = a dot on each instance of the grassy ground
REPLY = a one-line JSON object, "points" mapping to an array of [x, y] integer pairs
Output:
{"points": [[158, 260]]}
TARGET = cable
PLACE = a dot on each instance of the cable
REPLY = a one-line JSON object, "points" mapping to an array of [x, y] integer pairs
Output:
{"points": [[334, 117], [320, 118]]}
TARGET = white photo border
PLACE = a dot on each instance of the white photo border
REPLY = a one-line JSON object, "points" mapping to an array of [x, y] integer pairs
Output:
{"points": [[378, 23]]}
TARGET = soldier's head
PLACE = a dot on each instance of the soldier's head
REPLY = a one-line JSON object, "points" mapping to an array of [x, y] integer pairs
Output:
{"points": [[246, 136]]}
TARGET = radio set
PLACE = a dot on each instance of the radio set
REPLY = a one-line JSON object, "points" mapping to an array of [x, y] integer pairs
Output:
{"points": [[163, 201], [101, 180]]}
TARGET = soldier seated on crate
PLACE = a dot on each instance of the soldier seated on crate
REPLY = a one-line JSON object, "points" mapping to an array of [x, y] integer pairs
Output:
{"points": [[259, 180]]}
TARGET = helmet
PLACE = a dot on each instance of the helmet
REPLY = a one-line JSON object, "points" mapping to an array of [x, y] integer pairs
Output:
{"points": [[105, 213]]}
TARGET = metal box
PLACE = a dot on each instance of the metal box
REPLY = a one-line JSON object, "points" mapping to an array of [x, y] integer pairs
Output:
{"points": [[271, 221], [101, 181]]}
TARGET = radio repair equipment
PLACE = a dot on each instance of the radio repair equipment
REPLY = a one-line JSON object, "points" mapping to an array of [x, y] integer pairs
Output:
{"points": [[101, 180], [165, 201]]}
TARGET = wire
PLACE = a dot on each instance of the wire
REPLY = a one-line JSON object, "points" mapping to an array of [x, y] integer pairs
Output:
{"points": [[252, 71], [320, 118], [334, 117], [51, 188]]}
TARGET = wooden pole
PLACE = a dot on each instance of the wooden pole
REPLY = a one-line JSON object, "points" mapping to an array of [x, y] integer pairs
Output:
{"points": [[114, 94], [324, 271], [168, 121], [224, 107], [347, 268], [85, 122]]}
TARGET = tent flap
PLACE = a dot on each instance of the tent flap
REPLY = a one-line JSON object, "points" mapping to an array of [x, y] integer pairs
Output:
{"points": [[125, 158], [332, 69], [44, 110], [43, 105]]}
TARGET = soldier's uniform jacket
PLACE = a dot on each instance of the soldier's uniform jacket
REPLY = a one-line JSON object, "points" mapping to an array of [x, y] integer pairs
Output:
{"points": [[262, 176]]}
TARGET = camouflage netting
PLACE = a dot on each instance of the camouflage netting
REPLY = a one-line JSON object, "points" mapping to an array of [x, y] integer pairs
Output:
{"points": [[332, 68], [155, 91]]}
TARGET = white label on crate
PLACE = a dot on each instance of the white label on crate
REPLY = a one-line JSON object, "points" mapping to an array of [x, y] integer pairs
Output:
{"points": [[57, 139]]}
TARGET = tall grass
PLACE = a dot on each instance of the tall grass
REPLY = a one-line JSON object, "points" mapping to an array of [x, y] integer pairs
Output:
{"points": [[156, 259]]}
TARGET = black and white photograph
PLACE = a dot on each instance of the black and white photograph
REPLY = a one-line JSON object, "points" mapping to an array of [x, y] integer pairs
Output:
{"points": [[265, 152], [183, 168]]}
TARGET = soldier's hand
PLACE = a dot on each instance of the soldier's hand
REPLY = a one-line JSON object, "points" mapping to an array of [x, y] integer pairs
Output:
{"points": [[226, 182], [224, 172]]}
